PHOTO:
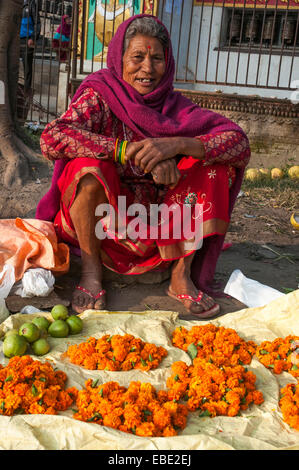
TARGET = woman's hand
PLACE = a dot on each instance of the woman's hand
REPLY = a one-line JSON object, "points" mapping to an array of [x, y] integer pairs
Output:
{"points": [[148, 153], [166, 172]]}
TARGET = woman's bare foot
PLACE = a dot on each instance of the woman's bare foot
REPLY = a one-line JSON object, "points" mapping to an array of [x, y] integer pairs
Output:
{"points": [[181, 285], [89, 294]]}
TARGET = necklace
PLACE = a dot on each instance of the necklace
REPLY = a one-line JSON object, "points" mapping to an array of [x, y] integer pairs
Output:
{"points": [[130, 163]]}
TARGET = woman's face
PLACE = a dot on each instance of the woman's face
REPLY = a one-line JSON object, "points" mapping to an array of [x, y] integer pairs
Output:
{"points": [[144, 63]]}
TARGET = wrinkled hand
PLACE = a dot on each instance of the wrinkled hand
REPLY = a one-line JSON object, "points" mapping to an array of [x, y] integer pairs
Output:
{"points": [[147, 153], [166, 172]]}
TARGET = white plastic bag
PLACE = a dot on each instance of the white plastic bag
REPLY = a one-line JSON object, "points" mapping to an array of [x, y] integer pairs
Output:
{"points": [[36, 282], [7, 280], [31, 309], [248, 291]]}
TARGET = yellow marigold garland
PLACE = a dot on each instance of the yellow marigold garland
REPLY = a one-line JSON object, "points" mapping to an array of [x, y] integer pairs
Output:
{"points": [[31, 387], [220, 345], [289, 404], [138, 409], [278, 355], [116, 353], [213, 390]]}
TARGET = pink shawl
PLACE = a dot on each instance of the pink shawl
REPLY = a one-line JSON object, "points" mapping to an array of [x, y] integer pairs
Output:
{"points": [[163, 112], [64, 28]]}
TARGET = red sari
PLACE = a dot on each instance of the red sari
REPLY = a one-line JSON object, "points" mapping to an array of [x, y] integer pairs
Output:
{"points": [[88, 129]]}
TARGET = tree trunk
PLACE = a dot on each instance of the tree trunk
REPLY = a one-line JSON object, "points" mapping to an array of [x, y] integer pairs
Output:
{"points": [[17, 165]]}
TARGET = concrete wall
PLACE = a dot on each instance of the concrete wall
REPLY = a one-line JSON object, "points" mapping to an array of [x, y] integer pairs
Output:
{"points": [[271, 125]]}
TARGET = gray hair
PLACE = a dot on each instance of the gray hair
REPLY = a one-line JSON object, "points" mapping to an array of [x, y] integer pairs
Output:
{"points": [[147, 27]]}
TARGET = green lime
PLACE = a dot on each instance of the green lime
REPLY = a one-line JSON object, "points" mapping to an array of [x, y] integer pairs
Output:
{"points": [[40, 347], [13, 331], [30, 332], [75, 324], [43, 333], [58, 329], [59, 312], [41, 322], [14, 345]]}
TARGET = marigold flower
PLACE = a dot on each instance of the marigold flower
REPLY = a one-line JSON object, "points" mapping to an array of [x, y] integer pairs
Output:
{"points": [[213, 390], [278, 355], [219, 345], [169, 431], [116, 353], [32, 387], [289, 405], [161, 418], [145, 429], [138, 409]]}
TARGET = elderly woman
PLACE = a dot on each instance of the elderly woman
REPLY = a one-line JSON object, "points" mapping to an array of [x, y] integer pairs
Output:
{"points": [[128, 133]]}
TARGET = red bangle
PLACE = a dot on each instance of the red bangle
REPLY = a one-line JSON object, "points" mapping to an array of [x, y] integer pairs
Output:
{"points": [[115, 148]]}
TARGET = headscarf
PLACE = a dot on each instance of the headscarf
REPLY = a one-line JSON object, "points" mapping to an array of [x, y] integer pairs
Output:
{"points": [[64, 28], [161, 113]]}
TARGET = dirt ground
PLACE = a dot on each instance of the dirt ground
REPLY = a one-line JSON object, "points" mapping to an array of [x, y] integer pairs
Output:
{"points": [[264, 247]]}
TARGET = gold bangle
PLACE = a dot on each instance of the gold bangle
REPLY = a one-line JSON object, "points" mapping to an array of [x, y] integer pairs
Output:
{"points": [[123, 152]]}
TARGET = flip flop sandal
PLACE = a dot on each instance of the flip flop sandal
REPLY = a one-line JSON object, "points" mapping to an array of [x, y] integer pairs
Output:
{"points": [[213, 311], [94, 297]]}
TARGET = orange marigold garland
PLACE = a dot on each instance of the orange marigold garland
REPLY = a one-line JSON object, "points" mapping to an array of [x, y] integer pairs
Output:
{"points": [[280, 355], [289, 404], [32, 387], [220, 345], [116, 353], [215, 384], [213, 390], [138, 409]]}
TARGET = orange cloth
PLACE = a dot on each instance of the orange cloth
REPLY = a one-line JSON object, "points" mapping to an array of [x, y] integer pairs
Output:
{"points": [[31, 243]]}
